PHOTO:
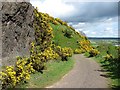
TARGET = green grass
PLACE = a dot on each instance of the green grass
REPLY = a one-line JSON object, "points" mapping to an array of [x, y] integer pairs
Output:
{"points": [[55, 71], [111, 66], [63, 41], [111, 72]]}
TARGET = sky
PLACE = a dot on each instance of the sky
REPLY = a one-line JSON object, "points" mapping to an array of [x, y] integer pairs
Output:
{"points": [[95, 19]]}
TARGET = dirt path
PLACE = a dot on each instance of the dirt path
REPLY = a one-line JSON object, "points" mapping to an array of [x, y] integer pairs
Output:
{"points": [[85, 74]]}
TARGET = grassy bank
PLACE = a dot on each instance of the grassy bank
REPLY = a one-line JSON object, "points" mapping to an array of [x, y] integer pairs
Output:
{"points": [[63, 41], [111, 73], [54, 72], [109, 64]]}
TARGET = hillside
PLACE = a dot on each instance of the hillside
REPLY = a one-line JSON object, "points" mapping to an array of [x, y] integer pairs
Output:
{"points": [[62, 40], [31, 39], [18, 30], [63, 34]]}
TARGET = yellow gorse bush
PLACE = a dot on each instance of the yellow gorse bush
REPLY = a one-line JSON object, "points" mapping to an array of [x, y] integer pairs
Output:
{"points": [[93, 52], [24, 68], [79, 51], [67, 52], [39, 59], [85, 46], [8, 77], [43, 30], [50, 54], [15, 74], [63, 52], [108, 57]]}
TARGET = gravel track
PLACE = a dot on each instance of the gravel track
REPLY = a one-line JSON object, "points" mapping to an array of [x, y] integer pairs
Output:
{"points": [[85, 74]]}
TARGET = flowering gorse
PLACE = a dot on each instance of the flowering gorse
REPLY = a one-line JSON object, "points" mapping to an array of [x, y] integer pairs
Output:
{"points": [[15, 74]]}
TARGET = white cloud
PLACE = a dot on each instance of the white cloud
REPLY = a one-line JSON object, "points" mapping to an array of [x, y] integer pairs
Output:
{"points": [[110, 19], [86, 32], [56, 8], [99, 29], [93, 32], [108, 29], [70, 23], [79, 30], [76, 26], [81, 23], [91, 0]]}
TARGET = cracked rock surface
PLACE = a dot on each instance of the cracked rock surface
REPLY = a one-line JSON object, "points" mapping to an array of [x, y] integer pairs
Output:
{"points": [[17, 30]]}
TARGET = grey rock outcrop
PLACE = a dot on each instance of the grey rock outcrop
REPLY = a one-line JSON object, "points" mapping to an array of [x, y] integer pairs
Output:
{"points": [[17, 30], [82, 33]]}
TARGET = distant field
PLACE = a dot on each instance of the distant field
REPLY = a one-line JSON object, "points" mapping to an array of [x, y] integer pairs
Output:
{"points": [[113, 41]]}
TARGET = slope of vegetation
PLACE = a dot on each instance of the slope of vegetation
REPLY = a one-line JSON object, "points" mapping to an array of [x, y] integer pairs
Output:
{"points": [[62, 40], [55, 71], [47, 46], [109, 59]]}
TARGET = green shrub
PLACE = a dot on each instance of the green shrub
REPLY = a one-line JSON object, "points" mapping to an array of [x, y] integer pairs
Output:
{"points": [[87, 54], [68, 33]]}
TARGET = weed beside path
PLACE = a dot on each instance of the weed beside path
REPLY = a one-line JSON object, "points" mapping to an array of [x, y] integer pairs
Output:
{"points": [[54, 72]]}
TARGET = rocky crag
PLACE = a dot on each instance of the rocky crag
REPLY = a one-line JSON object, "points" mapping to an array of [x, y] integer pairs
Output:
{"points": [[17, 30]]}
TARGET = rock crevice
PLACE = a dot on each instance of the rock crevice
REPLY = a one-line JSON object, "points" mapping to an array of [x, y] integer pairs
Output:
{"points": [[17, 30]]}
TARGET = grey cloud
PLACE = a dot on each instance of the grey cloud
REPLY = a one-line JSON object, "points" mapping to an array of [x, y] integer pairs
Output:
{"points": [[91, 11]]}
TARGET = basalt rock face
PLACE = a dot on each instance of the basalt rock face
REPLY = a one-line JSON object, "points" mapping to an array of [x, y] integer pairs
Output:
{"points": [[17, 30]]}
